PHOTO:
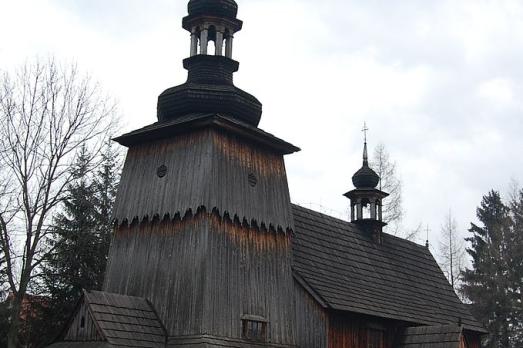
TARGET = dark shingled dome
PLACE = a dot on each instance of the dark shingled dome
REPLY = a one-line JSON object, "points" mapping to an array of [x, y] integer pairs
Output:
{"points": [[219, 8], [365, 178]]}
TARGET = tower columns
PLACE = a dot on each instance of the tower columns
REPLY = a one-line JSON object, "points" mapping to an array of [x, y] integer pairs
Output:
{"points": [[194, 43], [228, 46], [204, 41], [219, 43], [359, 210], [373, 210]]}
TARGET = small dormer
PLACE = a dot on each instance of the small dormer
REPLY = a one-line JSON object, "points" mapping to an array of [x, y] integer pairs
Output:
{"points": [[366, 200]]}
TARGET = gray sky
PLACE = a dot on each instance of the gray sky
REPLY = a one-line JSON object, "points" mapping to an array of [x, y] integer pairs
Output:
{"points": [[438, 82]]}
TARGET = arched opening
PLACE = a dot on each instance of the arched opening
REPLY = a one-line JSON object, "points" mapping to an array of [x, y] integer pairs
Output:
{"points": [[366, 209], [211, 50]]}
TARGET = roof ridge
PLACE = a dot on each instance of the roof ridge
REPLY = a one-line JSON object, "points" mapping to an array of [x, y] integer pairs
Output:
{"points": [[339, 220]]}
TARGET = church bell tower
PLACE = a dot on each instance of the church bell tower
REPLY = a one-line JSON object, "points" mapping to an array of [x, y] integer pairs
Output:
{"points": [[366, 201], [203, 211]]}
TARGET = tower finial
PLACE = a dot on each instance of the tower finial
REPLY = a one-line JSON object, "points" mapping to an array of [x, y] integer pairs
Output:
{"points": [[365, 130], [427, 244], [365, 153]]}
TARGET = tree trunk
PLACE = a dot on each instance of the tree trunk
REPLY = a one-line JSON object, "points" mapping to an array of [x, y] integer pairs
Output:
{"points": [[13, 334]]}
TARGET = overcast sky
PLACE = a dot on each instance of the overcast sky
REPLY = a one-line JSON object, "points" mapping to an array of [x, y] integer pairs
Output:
{"points": [[438, 82]]}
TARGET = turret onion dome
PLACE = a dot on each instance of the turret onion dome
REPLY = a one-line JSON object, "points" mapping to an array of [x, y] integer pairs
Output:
{"points": [[217, 8], [365, 177]]}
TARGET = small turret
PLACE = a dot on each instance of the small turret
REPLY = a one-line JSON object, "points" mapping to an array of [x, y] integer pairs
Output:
{"points": [[366, 200]]}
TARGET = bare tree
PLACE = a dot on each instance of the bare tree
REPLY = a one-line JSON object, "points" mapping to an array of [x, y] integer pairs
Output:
{"points": [[451, 251], [390, 183], [3, 263], [47, 113]]}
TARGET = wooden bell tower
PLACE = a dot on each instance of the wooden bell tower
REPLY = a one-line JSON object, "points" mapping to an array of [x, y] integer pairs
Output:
{"points": [[203, 210]]}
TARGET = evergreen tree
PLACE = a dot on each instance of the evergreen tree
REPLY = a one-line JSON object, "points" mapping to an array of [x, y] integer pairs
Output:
{"points": [[74, 264], [106, 185], [487, 284], [516, 278], [81, 238]]}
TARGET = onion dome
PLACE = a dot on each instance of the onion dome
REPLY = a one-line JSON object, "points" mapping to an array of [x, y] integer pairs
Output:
{"points": [[209, 89], [217, 8], [365, 177]]}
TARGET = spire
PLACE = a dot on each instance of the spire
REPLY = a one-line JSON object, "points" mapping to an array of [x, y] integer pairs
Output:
{"points": [[365, 154], [365, 177]]}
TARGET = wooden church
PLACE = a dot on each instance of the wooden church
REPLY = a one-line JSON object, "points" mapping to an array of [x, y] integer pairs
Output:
{"points": [[208, 250]]}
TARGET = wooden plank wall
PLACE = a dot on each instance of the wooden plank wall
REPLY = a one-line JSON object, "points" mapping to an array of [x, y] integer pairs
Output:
{"points": [[165, 262], [204, 273], [249, 273], [469, 340], [351, 331], [311, 320], [89, 332], [206, 168]]}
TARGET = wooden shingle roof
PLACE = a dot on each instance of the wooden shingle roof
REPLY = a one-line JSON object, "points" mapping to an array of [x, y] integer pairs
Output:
{"points": [[112, 320], [349, 272], [126, 320], [440, 336]]}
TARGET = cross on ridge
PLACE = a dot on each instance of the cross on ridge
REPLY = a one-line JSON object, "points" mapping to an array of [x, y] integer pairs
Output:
{"points": [[365, 130]]}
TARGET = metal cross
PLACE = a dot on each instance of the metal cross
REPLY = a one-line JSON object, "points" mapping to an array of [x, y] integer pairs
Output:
{"points": [[365, 130]]}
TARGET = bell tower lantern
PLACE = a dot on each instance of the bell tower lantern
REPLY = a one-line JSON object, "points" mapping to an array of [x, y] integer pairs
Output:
{"points": [[366, 200], [212, 21]]}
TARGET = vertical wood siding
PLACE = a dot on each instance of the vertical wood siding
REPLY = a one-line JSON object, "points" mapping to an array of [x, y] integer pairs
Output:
{"points": [[311, 320], [351, 331], [249, 273], [89, 332], [206, 168], [202, 274], [164, 262], [470, 341]]}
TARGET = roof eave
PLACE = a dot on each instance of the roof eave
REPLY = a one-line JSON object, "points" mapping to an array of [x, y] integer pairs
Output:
{"points": [[165, 130]]}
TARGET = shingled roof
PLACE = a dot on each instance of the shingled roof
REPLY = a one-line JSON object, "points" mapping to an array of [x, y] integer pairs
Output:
{"points": [[440, 336], [398, 279], [118, 320]]}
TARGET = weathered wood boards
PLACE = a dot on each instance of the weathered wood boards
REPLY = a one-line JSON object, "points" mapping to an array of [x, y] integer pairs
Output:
{"points": [[205, 169], [114, 320], [207, 238], [203, 273]]}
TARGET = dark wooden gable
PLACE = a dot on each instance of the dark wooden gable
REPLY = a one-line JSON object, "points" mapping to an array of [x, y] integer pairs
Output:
{"points": [[109, 320], [83, 326], [397, 280]]}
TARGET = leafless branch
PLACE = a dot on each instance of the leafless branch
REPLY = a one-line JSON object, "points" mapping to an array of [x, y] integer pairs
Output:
{"points": [[390, 183], [47, 112]]}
